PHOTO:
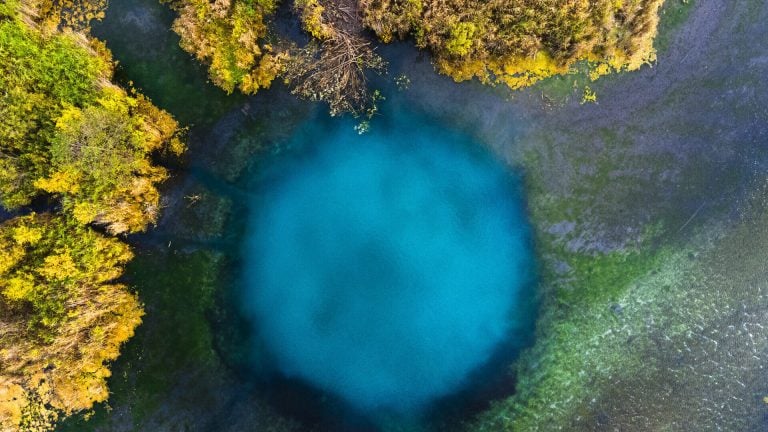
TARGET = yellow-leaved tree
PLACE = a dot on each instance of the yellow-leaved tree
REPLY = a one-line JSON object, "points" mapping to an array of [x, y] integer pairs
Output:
{"points": [[62, 317], [81, 147]]}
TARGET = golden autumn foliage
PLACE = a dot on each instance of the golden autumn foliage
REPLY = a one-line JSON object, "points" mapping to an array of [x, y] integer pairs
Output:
{"points": [[232, 37], [102, 168], [62, 317], [67, 131], [312, 20], [392, 19], [518, 42], [70, 14], [74, 140], [515, 42], [39, 75]]}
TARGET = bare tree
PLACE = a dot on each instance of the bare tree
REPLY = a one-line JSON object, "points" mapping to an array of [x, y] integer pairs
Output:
{"points": [[334, 69]]}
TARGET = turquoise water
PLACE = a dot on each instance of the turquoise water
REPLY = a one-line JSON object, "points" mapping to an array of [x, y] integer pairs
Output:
{"points": [[385, 268], [439, 297]]}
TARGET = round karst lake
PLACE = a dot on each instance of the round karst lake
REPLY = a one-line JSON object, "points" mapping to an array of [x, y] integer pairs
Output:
{"points": [[387, 268]]}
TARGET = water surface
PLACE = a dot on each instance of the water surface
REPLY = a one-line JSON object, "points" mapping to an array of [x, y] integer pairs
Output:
{"points": [[384, 268], [666, 150]]}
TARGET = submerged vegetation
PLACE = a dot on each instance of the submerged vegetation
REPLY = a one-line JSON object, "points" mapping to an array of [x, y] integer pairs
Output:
{"points": [[512, 42], [79, 148]]}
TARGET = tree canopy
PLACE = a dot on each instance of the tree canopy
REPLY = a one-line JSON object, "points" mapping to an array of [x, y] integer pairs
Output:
{"points": [[521, 41], [80, 147], [62, 317], [68, 131], [514, 42], [232, 36]]}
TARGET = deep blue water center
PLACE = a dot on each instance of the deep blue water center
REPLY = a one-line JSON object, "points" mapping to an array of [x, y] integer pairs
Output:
{"points": [[386, 268]]}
